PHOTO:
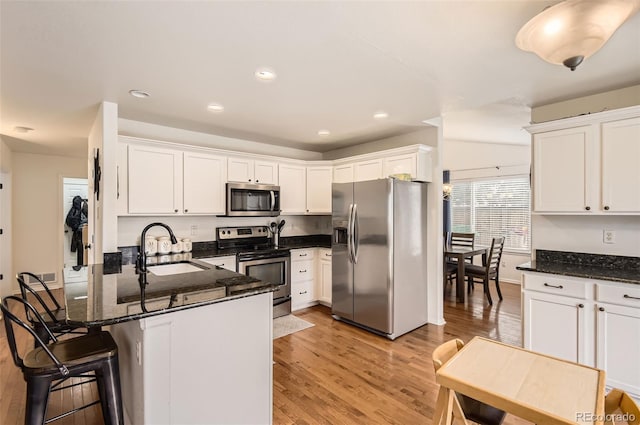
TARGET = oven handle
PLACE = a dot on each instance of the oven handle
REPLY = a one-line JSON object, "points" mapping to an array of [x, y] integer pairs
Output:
{"points": [[281, 300], [273, 200]]}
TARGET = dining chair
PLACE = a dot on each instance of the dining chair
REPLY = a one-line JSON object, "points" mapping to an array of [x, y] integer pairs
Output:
{"points": [[51, 309], [472, 409], [490, 269], [459, 239], [48, 366], [619, 401]]}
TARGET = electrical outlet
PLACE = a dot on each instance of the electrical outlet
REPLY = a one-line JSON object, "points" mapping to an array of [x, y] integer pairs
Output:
{"points": [[608, 236], [194, 230]]}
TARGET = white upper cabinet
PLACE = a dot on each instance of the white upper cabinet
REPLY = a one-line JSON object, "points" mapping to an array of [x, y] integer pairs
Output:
{"points": [[247, 170], [204, 178], [401, 164], [319, 189], [367, 170], [588, 164], [155, 180], [343, 173], [122, 174], [563, 179], [621, 165], [293, 188]]}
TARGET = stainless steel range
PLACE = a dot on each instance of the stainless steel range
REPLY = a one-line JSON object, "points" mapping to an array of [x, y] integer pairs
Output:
{"points": [[257, 257]]}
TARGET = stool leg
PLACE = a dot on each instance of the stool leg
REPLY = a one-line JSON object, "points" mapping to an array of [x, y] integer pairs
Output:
{"points": [[112, 400], [37, 397]]}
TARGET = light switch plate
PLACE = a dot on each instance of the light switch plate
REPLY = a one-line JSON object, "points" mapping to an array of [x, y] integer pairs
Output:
{"points": [[608, 236]]}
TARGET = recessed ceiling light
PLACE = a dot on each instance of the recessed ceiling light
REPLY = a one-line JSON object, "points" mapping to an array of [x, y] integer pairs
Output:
{"points": [[21, 129], [215, 107], [265, 74], [380, 115], [139, 94], [324, 132]]}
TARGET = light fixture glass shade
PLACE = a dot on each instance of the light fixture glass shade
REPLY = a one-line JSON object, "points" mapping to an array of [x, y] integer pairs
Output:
{"points": [[573, 30]]}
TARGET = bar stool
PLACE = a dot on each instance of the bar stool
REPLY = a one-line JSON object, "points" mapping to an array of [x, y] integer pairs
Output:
{"points": [[55, 314], [46, 367]]}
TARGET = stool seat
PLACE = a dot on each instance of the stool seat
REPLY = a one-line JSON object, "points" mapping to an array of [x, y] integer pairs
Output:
{"points": [[71, 352]]}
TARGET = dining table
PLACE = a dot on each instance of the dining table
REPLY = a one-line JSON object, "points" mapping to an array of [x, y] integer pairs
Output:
{"points": [[533, 386], [460, 254]]}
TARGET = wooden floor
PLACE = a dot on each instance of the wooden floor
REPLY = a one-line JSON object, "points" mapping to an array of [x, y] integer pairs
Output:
{"points": [[332, 373]]}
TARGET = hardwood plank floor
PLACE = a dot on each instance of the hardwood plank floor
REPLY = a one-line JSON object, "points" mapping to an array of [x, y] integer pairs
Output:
{"points": [[332, 373]]}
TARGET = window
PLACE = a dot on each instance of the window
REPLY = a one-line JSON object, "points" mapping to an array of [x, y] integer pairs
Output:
{"points": [[493, 208]]}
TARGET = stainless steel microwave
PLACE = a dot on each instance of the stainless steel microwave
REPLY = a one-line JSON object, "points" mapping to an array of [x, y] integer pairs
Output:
{"points": [[253, 200]]}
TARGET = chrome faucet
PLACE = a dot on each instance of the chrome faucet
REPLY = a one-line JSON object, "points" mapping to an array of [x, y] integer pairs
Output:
{"points": [[142, 255]]}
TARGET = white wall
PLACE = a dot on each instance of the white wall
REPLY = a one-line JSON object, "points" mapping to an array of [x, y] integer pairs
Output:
{"points": [[129, 228], [468, 160], [37, 210], [6, 263]]}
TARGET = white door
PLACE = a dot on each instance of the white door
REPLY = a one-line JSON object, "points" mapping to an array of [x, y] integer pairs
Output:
{"points": [[618, 342], [71, 189], [239, 170], [621, 166], [343, 173], [266, 172], [367, 170], [325, 278], [293, 189], [204, 178], [555, 325], [319, 190]]}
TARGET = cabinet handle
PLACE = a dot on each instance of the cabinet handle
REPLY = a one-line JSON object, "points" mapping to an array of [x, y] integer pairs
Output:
{"points": [[249, 179], [327, 255], [175, 210], [302, 255], [580, 305], [186, 210], [629, 296], [601, 308], [303, 271], [257, 181], [302, 293], [552, 286], [588, 208], [606, 207]]}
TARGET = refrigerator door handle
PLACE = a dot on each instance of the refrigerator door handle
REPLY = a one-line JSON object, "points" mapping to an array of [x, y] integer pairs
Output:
{"points": [[356, 238], [350, 234]]}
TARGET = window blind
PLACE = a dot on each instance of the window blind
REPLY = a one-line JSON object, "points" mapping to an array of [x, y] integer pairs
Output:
{"points": [[493, 208]]}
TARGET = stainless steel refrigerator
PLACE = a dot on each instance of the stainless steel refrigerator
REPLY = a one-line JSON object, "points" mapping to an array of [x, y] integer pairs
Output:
{"points": [[379, 246]]}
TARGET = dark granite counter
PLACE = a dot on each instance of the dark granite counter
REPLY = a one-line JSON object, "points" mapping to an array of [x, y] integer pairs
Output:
{"points": [[108, 295], [590, 266]]}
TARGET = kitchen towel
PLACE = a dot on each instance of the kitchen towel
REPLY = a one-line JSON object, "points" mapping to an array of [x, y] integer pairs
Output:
{"points": [[288, 324]]}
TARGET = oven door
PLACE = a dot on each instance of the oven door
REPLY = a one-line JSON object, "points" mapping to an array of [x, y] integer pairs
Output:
{"points": [[274, 270]]}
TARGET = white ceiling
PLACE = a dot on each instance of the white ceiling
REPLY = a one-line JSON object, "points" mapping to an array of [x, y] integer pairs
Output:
{"points": [[337, 62]]}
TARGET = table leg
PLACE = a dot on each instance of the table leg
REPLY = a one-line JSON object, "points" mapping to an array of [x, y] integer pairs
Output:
{"points": [[444, 407], [460, 281]]}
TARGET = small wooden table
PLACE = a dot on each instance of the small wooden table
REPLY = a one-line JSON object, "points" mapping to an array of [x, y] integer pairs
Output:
{"points": [[533, 386], [460, 253]]}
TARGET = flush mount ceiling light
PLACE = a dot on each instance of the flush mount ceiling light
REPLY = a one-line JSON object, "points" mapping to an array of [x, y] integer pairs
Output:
{"points": [[139, 94], [215, 107], [571, 31], [380, 115], [324, 133], [21, 129], [265, 74]]}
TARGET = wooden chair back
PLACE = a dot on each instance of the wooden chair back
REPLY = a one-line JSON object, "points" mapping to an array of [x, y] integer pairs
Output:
{"points": [[445, 351], [462, 239], [618, 400], [495, 254]]}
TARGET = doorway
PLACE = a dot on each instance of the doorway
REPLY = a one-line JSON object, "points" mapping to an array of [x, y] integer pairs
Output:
{"points": [[72, 187]]}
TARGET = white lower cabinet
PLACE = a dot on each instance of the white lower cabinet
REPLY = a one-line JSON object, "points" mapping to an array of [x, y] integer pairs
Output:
{"points": [[324, 276], [226, 262], [592, 322], [302, 278]]}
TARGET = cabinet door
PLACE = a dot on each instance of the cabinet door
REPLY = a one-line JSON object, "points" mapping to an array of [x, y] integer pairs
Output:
{"points": [[204, 178], [556, 326], [621, 166], [293, 189], [265, 172], [155, 180], [367, 170], [325, 280], [343, 173], [319, 190], [122, 174], [400, 164], [618, 342], [240, 170], [564, 171]]}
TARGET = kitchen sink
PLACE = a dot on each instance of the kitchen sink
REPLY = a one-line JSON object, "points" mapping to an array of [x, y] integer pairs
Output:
{"points": [[175, 268]]}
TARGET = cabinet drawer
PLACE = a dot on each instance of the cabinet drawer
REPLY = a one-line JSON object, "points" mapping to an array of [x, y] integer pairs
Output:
{"points": [[623, 295], [302, 292], [325, 254], [226, 262], [301, 271], [302, 254], [559, 285]]}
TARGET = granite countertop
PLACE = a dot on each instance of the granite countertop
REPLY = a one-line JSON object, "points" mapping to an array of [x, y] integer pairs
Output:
{"points": [[104, 296], [589, 266]]}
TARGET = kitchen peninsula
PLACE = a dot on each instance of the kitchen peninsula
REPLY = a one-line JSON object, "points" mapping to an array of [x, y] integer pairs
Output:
{"points": [[198, 351]]}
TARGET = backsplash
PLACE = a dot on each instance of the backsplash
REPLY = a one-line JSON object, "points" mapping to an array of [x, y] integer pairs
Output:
{"points": [[586, 259]]}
